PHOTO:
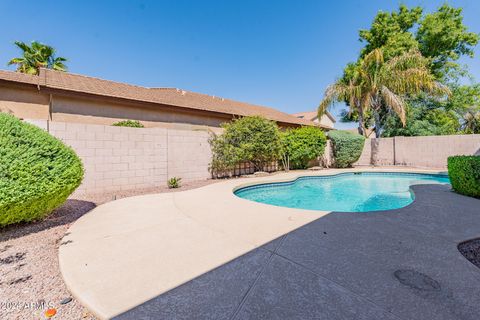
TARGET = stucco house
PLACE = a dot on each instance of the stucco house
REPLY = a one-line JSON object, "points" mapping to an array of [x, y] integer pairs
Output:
{"points": [[68, 97], [327, 121]]}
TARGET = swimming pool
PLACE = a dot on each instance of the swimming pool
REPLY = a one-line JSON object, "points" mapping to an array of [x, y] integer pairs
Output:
{"points": [[345, 192]]}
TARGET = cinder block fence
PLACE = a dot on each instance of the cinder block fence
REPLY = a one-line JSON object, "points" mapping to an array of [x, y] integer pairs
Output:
{"points": [[122, 158], [426, 152]]}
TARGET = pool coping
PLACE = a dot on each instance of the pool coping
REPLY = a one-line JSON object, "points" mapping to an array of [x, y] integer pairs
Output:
{"points": [[147, 245], [316, 173]]}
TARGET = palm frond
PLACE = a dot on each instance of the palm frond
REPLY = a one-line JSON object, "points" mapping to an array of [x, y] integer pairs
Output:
{"points": [[22, 46], [439, 89], [15, 61], [410, 59], [375, 57], [395, 102], [59, 66], [331, 95], [366, 102]]}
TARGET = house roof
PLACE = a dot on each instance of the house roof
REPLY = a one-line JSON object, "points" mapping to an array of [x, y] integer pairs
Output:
{"points": [[18, 77], [311, 115], [75, 83]]}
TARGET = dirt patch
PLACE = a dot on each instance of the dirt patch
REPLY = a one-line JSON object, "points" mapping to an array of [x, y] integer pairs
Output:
{"points": [[30, 279], [471, 250]]}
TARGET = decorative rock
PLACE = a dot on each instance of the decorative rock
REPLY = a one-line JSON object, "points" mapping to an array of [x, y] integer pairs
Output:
{"points": [[261, 174], [315, 168]]}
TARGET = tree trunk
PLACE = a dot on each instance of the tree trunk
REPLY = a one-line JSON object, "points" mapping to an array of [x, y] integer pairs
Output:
{"points": [[378, 127], [286, 162], [361, 129], [377, 106]]}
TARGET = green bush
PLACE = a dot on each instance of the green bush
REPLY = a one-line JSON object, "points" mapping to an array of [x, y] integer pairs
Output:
{"points": [[301, 145], [174, 182], [249, 139], [464, 173], [347, 147], [129, 123], [37, 171]]}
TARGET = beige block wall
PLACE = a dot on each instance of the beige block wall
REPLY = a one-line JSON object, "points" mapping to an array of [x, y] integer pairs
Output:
{"points": [[189, 154], [121, 158], [382, 152], [428, 152], [366, 156], [433, 151]]}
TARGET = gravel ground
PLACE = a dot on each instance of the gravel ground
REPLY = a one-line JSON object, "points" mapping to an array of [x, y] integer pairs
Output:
{"points": [[471, 250], [30, 279]]}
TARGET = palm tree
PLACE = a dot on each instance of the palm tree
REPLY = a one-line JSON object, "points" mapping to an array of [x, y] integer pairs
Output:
{"points": [[379, 86], [36, 56], [348, 89], [471, 122]]}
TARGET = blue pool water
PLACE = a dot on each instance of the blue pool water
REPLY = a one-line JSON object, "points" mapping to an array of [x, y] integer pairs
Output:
{"points": [[346, 192]]}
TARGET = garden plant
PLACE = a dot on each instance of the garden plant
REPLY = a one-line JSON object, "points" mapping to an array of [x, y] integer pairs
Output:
{"points": [[129, 123], [254, 139], [37, 171], [347, 147], [302, 145], [464, 173]]}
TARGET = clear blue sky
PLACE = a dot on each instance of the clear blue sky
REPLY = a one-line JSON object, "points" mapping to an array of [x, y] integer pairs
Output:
{"points": [[274, 53]]}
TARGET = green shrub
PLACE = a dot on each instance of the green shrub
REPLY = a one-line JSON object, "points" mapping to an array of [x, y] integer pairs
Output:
{"points": [[37, 171], [464, 173], [347, 147], [129, 123], [174, 182], [301, 145], [248, 139]]}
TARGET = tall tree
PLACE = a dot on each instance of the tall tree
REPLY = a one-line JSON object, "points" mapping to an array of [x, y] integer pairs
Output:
{"points": [[422, 121], [433, 117], [444, 38], [465, 102], [377, 85], [391, 31], [440, 36], [36, 56], [464, 98]]}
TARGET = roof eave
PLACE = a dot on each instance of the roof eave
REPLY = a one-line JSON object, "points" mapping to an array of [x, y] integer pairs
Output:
{"points": [[42, 84]]}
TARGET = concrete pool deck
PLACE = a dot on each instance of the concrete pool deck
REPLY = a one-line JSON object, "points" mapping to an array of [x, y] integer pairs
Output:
{"points": [[127, 252]]}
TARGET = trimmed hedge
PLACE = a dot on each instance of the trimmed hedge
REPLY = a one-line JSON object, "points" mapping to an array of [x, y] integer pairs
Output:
{"points": [[464, 173], [129, 123], [301, 145], [37, 171], [347, 147]]}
